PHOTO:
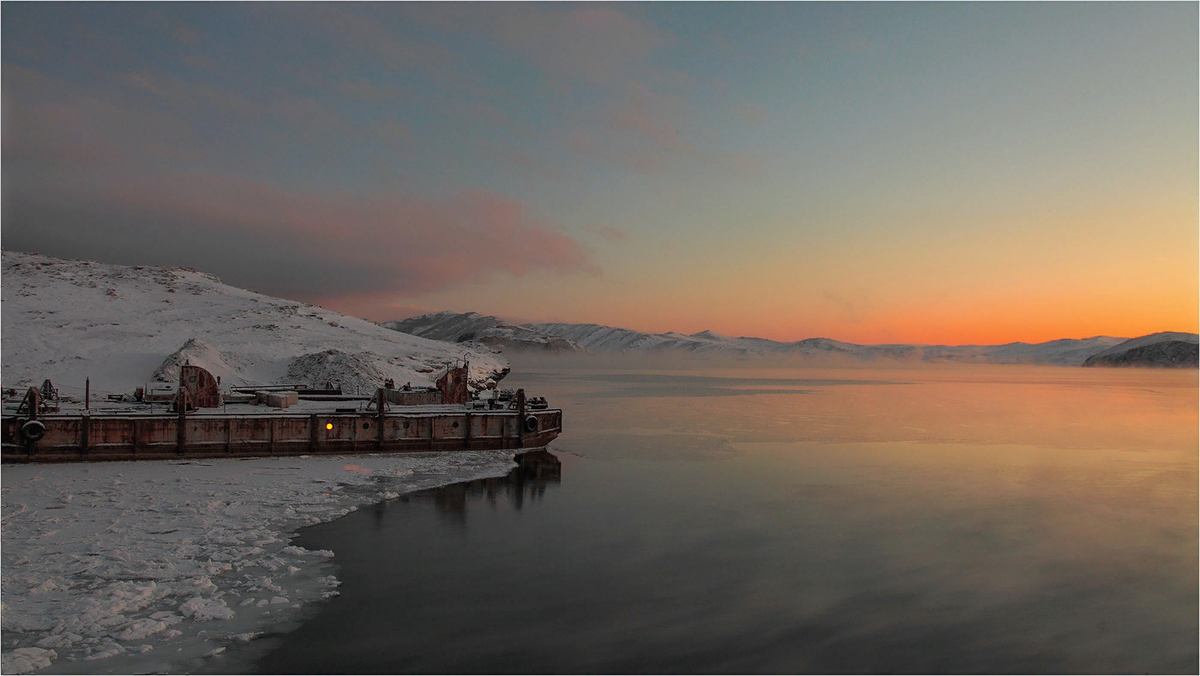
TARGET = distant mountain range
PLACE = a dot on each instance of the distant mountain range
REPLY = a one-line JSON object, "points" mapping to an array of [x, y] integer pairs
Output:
{"points": [[593, 338]]}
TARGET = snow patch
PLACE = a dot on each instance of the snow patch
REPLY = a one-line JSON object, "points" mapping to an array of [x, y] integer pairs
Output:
{"points": [[59, 321], [199, 353]]}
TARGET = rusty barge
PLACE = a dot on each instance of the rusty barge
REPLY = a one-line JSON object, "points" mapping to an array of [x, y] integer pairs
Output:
{"points": [[196, 423]]}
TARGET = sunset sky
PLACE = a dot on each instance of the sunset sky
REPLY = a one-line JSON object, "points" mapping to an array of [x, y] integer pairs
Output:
{"points": [[874, 173]]}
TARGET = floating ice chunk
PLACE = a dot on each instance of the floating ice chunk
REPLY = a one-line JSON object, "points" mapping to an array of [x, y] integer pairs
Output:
{"points": [[47, 586], [203, 609], [25, 660], [276, 600], [64, 640], [166, 616], [245, 637], [110, 650], [139, 629], [214, 652], [204, 585]]}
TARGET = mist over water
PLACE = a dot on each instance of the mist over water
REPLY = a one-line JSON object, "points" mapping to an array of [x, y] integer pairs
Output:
{"points": [[746, 519]]}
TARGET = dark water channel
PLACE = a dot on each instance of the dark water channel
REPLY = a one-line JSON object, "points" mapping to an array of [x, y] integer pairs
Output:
{"points": [[948, 549]]}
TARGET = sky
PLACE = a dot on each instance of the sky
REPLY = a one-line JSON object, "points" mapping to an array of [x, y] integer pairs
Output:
{"points": [[942, 173]]}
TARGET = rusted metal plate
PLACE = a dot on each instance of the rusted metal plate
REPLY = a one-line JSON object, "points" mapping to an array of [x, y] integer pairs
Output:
{"points": [[414, 397], [453, 386], [201, 386]]}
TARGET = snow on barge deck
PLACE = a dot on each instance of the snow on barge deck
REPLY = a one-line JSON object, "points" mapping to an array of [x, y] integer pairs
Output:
{"points": [[395, 421]]}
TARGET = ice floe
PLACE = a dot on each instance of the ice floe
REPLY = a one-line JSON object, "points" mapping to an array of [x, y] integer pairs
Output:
{"points": [[117, 561]]}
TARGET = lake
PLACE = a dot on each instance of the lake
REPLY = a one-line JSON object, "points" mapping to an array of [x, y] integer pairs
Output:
{"points": [[941, 519]]}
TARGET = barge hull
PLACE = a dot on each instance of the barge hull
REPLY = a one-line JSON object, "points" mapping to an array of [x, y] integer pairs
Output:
{"points": [[83, 438]]}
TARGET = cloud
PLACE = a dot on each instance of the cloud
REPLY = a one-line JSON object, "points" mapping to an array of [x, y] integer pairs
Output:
{"points": [[651, 117], [133, 121], [848, 310], [611, 233], [737, 164], [186, 35], [367, 91], [514, 158], [53, 126], [296, 244], [622, 152], [646, 132], [189, 97], [753, 113], [201, 63], [361, 28], [596, 43]]}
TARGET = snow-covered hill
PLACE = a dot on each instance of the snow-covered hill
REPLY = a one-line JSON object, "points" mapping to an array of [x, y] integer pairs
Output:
{"points": [[1063, 352], [122, 326], [1167, 348], [599, 339], [486, 330]]}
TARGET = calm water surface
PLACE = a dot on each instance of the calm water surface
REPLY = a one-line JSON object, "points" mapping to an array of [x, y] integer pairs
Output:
{"points": [[968, 519]]}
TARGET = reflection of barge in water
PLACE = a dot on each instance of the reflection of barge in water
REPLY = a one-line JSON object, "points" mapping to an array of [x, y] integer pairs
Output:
{"points": [[535, 471], [396, 420]]}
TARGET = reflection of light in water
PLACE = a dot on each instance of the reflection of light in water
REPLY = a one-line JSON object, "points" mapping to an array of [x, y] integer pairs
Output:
{"points": [[1060, 407]]}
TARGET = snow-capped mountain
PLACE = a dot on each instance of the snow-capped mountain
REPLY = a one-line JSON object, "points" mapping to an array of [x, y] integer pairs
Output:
{"points": [[67, 320], [599, 339], [1167, 348], [602, 339], [493, 332], [1063, 352]]}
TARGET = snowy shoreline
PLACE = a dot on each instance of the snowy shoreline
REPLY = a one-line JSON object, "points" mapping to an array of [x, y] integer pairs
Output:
{"points": [[161, 566]]}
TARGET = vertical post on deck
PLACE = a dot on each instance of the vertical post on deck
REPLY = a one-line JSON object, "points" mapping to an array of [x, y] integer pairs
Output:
{"points": [[380, 403], [181, 407], [87, 394], [182, 425], [84, 423], [33, 399], [521, 418]]}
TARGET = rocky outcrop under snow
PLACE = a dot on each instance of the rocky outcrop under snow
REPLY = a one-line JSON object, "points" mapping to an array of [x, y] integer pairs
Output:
{"points": [[1164, 350], [122, 326], [493, 332]]}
